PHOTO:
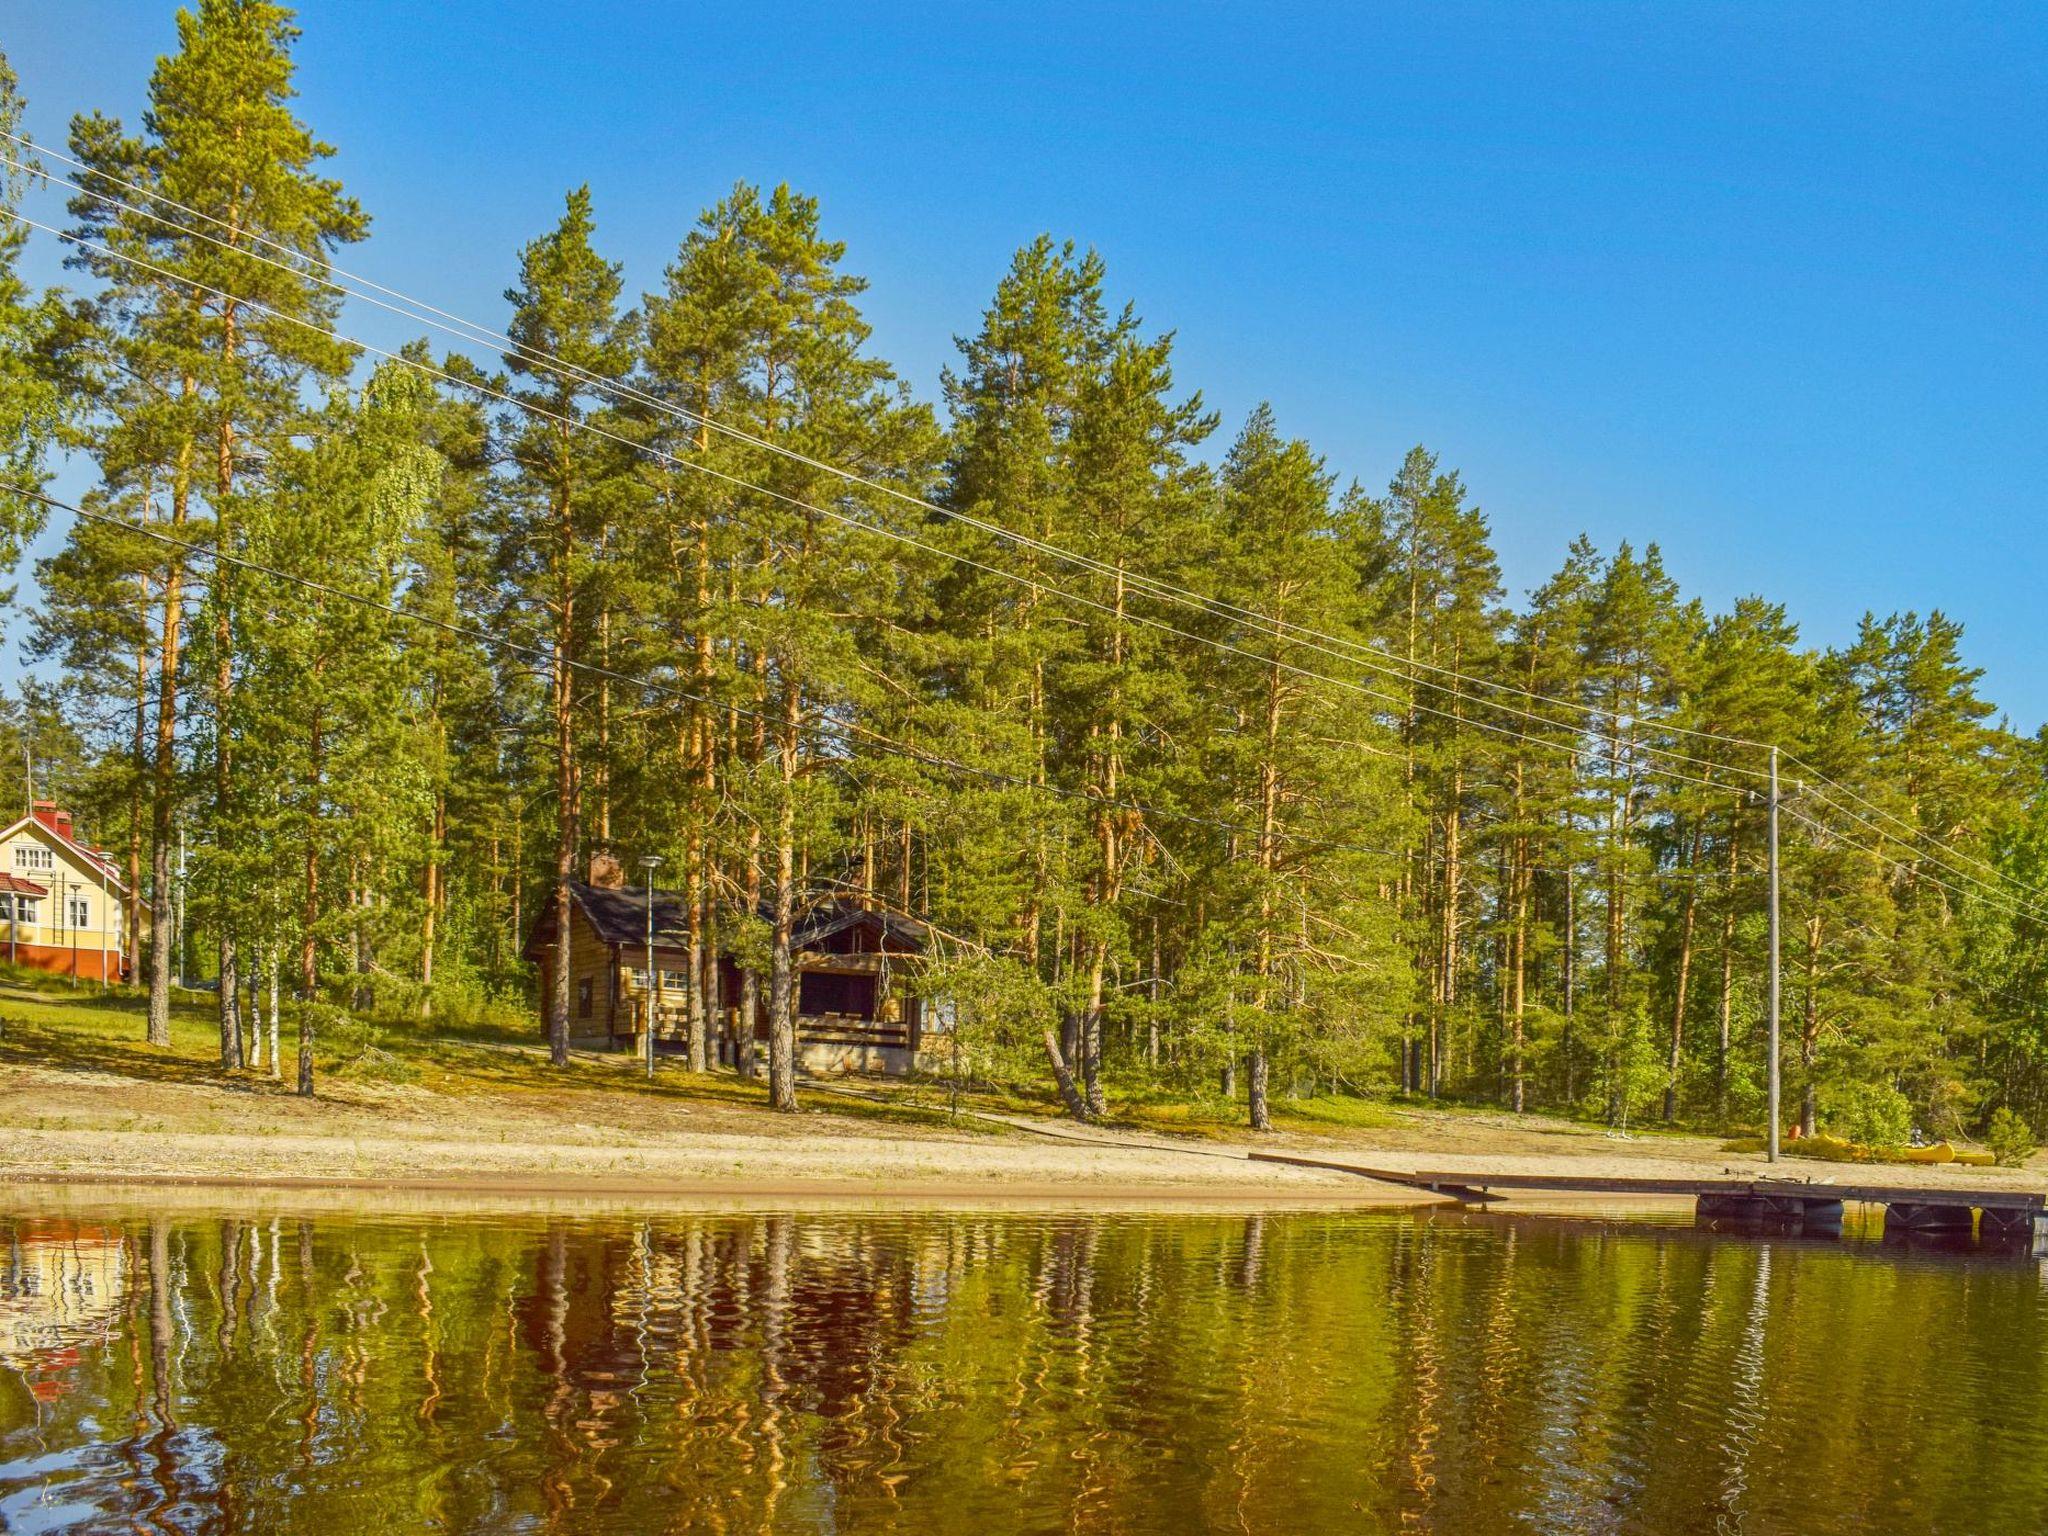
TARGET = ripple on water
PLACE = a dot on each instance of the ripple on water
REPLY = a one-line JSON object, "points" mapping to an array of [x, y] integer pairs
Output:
{"points": [[982, 1371]]}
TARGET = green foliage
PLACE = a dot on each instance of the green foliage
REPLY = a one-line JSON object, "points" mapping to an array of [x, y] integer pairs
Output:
{"points": [[1871, 1115], [358, 1048], [2010, 1138], [1223, 777]]}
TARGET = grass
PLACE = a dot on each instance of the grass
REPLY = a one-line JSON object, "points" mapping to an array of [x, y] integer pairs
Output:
{"points": [[45, 1021]]}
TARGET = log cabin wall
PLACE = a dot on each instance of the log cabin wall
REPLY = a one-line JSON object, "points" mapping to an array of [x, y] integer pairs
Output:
{"points": [[593, 999]]}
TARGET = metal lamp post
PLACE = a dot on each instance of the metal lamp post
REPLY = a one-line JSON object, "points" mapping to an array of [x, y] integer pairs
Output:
{"points": [[649, 862]]}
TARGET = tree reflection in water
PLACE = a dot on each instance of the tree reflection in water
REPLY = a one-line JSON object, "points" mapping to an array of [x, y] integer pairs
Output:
{"points": [[991, 1371]]}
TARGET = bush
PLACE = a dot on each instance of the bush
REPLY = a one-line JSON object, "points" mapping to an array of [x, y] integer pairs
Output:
{"points": [[1873, 1114], [2010, 1138], [351, 1046]]}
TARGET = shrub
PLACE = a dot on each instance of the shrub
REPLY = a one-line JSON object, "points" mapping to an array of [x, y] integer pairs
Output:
{"points": [[1873, 1114], [2010, 1138]]}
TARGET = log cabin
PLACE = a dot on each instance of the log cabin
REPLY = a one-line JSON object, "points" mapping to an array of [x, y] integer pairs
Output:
{"points": [[857, 1007]]}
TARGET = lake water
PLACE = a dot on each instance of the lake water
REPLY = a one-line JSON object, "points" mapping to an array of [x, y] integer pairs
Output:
{"points": [[966, 1371]]}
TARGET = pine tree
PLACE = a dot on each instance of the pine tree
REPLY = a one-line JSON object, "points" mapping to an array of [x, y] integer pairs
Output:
{"points": [[227, 336], [1538, 834], [1635, 637], [569, 486], [1044, 341], [1437, 589], [1303, 771], [31, 328]]}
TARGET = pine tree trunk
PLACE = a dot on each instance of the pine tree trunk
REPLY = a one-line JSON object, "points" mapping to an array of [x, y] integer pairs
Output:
{"points": [[1261, 1110], [1571, 954], [1453, 825], [781, 980], [1726, 1043], [696, 1019], [138, 769], [1091, 1032], [433, 895], [309, 957], [1063, 1077], [163, 767], [781, 977], [1684, 976], [750, 982], [306, 1027], [224, 829], [1809, 1033], [565, 836], [1518, 972]]}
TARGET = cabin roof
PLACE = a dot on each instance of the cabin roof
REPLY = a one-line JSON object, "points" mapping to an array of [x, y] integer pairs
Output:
{"points": [[618, 915], [15, 885]]}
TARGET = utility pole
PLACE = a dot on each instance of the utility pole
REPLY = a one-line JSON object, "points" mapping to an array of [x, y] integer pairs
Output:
{"points": [[1771, 1141], [649, 862]]}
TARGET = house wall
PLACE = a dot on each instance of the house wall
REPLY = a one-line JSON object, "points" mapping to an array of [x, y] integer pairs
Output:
{"points": [[52, 942], [590, 960], [826, 1044]]}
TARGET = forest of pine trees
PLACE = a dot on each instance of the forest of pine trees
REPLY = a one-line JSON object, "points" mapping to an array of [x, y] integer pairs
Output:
{"points": [[1221, 773]]}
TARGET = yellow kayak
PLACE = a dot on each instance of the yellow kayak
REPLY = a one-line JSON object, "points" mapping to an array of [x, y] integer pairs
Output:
{"points": [[1977, 1159], [1940, 1152]]}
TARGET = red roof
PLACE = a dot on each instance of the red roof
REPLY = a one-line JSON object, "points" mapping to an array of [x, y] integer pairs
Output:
{"points": [[15, 883]]}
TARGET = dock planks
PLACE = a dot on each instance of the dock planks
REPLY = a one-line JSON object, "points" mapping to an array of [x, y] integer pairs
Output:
{"points": [[1476, 1186]]}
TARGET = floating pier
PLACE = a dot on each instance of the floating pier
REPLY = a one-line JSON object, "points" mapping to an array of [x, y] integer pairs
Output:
{"points": [[2003, 1217]]}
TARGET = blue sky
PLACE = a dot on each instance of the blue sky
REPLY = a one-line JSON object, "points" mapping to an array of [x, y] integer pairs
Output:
{"points": [[1763, 285]]}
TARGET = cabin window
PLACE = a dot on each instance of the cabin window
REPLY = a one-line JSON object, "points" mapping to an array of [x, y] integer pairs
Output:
{"points": [[6, 908], [671, 981], [81, 913], [26, 909], [32, 856], [823, 992], [583, 998]]}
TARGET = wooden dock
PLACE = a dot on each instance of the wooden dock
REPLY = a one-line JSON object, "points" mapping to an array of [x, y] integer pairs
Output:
{"points": [[1999, 1215]]}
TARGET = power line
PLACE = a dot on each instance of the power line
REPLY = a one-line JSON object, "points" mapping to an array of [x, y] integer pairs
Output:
{"points": [[672, 461], [1901, 821], [878, 739], [475, 333], [1341, 648], [1279, 629], [1898, 864], [1961, 874]]}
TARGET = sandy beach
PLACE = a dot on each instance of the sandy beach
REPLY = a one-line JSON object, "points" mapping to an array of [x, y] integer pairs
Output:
{"points": [[83, 1125]]}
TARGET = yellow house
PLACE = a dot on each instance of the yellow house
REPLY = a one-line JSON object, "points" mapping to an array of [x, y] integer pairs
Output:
{"points": [[62, 901]]}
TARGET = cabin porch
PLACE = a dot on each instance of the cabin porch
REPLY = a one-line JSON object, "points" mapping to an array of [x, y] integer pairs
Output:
{"points": [[855, 1012]]}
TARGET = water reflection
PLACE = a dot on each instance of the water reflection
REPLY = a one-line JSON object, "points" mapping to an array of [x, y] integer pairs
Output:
{"points": [[987, 1371]]}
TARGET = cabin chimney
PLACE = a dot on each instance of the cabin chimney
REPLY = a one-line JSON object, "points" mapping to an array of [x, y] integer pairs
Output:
{"points": [[46, 812], [606, 873]]}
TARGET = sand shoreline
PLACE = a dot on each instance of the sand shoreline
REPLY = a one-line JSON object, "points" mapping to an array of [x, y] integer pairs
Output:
{"points": [[539, 1139]]}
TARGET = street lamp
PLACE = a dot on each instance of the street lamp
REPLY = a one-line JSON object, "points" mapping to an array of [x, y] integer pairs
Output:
{"points": [[649, 862]]}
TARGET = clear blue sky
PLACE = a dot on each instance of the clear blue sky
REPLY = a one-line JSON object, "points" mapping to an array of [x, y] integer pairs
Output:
{"points": [[1763, 284]]}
